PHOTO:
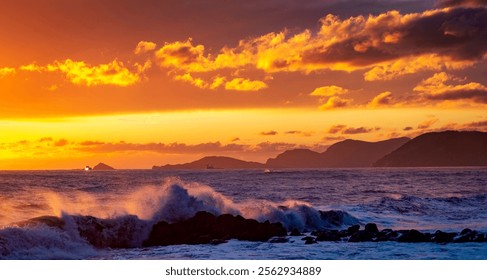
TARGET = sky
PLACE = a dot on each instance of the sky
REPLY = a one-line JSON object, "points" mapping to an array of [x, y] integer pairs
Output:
{"points": [[140, 83]]}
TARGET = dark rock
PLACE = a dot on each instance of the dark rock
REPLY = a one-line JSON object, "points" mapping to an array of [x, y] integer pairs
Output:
{"points": [[337, 218], [413, 236], [467, 235], [309, 240], [217, 241], [279, 239], [371, 228], [480, 238], [353, 229], [295, 232], [361, 236], [205, 227], [331, 235], [443, 237]]}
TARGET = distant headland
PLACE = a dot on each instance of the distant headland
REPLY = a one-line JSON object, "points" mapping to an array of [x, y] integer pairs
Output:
{"points": [[434, 149]]}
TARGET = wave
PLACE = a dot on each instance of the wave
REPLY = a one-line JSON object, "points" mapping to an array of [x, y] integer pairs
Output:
{"points": [[83, 222], [406, 204]]}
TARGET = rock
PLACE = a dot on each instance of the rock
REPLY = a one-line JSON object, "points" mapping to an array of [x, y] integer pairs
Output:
{"points": [[371, 228], [353, 229], [217, 241], [443, 237], [413, 236], [295, 232], [361, 236], [480, 238], [331, 235], [205, 227], [309, 240], [279, 239], [466, 235]]}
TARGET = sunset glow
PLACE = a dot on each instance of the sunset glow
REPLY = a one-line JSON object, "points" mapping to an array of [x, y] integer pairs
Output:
{"points": [[136, 84]]}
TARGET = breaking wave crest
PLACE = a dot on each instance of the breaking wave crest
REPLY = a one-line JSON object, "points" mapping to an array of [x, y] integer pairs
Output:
{"points": [[72, 225]]}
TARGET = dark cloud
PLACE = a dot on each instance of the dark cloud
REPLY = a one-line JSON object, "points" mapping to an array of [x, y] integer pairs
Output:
{"points": [[481, 125], [358, 130], [333, 138], [336, 128], [269, 133], [407, 128], [477, 95], [457, 33], [343, 129], [456, 3]]}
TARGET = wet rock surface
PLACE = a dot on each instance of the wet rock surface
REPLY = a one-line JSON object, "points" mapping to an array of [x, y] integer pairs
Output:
{"points": [[204, 227], [371, 233]]}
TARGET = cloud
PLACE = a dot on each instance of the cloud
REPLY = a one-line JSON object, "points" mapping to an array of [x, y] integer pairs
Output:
{"points": [[336, 102], [5, 71], [269, 133], [299, 132], [427, 124], [412, 64], [382, 99], [407, 128], [184, 56], [46, 139], [329, 91], [343, 129], [387, 46], [465, 3], [80, 73], [241, 84], [333, 138], [336, 128], [358, 130], [482, 125], [188, 78], [61, 143], [440, 87], [144, 46]]}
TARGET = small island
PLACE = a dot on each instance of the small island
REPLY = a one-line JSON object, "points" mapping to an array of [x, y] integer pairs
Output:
{"points": [[102, 167]]}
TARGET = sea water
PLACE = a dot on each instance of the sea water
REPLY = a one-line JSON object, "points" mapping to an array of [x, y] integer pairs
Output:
{"points": [[426, 199]]}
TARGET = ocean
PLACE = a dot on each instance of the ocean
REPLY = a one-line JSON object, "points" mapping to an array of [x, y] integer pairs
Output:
{"points": [[426, 199]]}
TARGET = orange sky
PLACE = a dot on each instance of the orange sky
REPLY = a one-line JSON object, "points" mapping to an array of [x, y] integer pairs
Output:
{"points": [[136, 84]]}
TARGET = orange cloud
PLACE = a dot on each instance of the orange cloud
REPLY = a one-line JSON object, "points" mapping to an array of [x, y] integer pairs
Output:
{"points": [[440, 87], [409, 65], [388, 45], [80, 73], [336, 102], [6, 71], [144, 46], [242, 84], [188, 78], [382, 99], [329, 91]]}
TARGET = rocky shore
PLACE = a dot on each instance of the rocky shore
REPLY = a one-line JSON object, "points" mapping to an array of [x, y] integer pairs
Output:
{"points": [[205, 228]]}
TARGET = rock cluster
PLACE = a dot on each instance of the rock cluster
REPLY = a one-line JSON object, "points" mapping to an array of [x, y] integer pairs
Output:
{"points": [[206, 228], [371, 233]]}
